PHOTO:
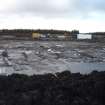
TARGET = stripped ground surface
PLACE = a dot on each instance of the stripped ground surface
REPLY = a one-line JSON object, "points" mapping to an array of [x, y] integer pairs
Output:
{"points": [[30, 57]]}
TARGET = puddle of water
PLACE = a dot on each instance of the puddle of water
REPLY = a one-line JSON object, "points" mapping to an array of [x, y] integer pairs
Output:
{"points": [[86, 67], [5, 70], [2, 70], [72, 66]]}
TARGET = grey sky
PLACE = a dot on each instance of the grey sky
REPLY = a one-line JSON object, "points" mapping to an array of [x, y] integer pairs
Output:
{"points": [[76, 13]]}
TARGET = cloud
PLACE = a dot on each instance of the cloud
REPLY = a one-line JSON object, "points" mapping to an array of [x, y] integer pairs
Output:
{"points": [[54, 8], [47, 8], [57, 14]]}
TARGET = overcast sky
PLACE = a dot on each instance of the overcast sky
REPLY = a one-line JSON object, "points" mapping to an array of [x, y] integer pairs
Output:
{"points": [[83, 15]]}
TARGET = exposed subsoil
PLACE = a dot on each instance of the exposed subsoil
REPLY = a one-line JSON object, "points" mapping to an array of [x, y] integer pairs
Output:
{"points": [[31, 57]]}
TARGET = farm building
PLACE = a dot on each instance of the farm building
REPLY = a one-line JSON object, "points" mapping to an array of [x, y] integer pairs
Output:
{"points": [[63, 37], [36, 35], [73, 36], [83, 36], [60, 37], [70, 36], [20, 34]]}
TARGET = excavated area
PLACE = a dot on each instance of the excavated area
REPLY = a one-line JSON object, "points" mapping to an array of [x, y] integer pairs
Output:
{"points": [[39, 57]]}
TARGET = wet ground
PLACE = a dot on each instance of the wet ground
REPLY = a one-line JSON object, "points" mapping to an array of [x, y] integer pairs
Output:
{"points": [[31, 57]]}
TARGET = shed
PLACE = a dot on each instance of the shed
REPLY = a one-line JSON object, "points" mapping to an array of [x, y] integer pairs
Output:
{"points": [[84, 36], [36, 35]]}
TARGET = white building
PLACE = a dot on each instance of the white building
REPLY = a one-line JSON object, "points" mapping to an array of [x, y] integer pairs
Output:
{"points": [[84, 36]]}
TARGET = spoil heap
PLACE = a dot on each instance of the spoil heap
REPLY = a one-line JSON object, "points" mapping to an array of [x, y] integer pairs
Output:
{"points": [[63, 88]]}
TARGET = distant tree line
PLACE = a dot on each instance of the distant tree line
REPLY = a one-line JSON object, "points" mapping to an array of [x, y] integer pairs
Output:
{"points": [[98, 33], [42, 31]]}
